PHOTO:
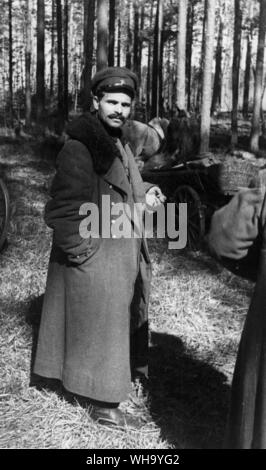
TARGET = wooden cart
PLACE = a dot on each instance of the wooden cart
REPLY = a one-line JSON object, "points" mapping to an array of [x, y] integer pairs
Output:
{"points": [[203, 188]]}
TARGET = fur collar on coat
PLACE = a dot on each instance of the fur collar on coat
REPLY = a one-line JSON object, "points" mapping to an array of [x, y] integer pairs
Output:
{"points": [[88, 130]]}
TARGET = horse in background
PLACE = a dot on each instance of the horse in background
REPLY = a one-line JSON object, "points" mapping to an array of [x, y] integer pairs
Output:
{"points": [[181, 143]]}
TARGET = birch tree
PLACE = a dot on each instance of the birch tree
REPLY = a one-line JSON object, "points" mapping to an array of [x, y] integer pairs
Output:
{"points": [[207, 78], [102, 33]]}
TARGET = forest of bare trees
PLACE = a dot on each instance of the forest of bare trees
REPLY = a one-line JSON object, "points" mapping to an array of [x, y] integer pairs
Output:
{"points": [[204, 56]]}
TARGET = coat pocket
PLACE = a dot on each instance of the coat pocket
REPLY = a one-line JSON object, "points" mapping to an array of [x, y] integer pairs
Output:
{"points": [[92, 247]]}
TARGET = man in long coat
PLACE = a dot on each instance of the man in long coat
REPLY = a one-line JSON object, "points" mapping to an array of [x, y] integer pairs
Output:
{"points": [[93, 332], [238, 232]]}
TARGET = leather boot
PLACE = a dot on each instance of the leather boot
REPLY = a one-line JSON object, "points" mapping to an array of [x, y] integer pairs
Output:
{"points": [[114, 417]]}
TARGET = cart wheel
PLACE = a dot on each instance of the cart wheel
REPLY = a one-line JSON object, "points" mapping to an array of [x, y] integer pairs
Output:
{"points": [[4, 212], [195, 215]]}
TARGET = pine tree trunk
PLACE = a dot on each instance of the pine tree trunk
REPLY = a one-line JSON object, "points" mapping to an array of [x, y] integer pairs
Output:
{"points": [[10, 21], [200, 76], [157, 66], [40, 79], [21, 74], [189, 42], [247, 77], [89, 16], [160, 77], [118, 61], [255, 132], [52, 50], [3, 82], [66, 22], [111, 51], [60, 91], [181, 55], [28, 65], [71, 53], [248, 61], [236, 66], [263, 123], [129, 43], [136, 38], [207, 78], [148, 84], [217, 86], [142, 18], [102, 34], [169, 74]]}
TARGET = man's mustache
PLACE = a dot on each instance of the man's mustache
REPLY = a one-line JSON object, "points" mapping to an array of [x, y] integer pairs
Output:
{"points": [[116, 116]]}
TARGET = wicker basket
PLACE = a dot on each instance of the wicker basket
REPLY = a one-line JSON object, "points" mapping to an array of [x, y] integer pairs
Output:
{"points": [[235, 174]]}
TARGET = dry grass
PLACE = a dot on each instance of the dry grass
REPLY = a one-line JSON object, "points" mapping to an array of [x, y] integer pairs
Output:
{"points": [[196, 314]]}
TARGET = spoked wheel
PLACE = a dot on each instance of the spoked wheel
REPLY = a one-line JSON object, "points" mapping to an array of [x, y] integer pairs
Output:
{"points": [[195, 215], [4, 212]]}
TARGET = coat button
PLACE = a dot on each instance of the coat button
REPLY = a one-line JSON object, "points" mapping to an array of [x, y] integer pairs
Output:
{"points": [[113, 236], [110, 186], [112, 203]]}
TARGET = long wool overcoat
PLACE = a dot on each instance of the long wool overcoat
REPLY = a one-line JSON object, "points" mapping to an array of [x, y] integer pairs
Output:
{"points": [[233, 231], [93, 330]]}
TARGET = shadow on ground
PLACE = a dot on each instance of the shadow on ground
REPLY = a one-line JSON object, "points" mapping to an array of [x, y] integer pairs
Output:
{"points": [[188, 398]]}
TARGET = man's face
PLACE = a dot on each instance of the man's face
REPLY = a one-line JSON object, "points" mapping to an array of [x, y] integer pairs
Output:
{"points": [[113, 108]]}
